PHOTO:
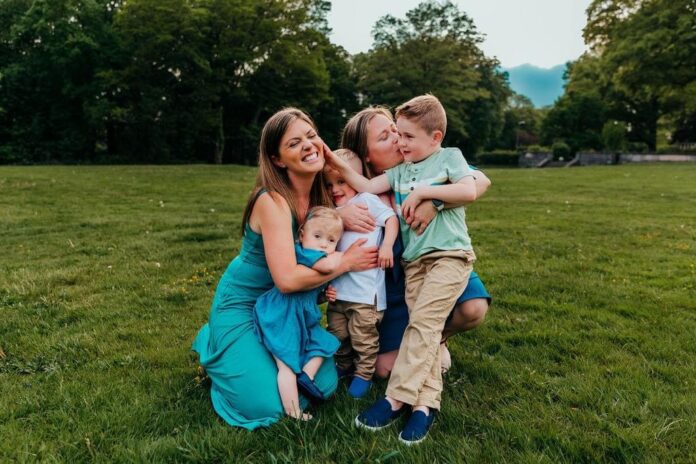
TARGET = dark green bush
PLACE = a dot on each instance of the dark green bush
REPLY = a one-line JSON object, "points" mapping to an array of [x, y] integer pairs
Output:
{"points": [[498, 158], [637, 147], [561, 151], [676, 149]]}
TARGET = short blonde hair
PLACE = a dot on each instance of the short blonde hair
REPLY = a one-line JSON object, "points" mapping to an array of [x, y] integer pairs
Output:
{"points": [[322, 212], [350, 157], [426, 111]]}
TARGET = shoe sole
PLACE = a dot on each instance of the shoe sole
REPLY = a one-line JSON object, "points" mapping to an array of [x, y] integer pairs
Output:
{"points": [[371, 428], [412, 442]]}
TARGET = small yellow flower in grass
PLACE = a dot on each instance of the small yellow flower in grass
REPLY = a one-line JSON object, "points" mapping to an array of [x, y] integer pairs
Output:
{"points": [[109, 267], [158, 265], [212, 210]]}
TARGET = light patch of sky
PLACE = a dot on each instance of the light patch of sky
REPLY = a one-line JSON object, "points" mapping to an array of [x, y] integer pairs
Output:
{"points": [[544, 33]]}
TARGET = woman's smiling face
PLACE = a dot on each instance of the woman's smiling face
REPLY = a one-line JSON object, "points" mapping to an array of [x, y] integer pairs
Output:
{"points": [[382, 144], [301, 150]]}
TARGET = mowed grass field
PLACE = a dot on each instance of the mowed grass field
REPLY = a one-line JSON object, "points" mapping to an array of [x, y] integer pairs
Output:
{"points": [[588, 353]]}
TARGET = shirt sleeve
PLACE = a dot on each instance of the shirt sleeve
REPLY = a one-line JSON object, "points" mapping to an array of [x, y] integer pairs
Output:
{"points": [[392, 176], [379, 210], [306, 256], [456, 166]]}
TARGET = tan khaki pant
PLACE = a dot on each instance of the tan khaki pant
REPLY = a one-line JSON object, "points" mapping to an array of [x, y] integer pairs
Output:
{"points": [[433, 283], [355, 325]]}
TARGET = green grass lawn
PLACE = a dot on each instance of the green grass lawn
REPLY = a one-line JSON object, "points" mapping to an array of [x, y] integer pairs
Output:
{"points": [[588, 353]]}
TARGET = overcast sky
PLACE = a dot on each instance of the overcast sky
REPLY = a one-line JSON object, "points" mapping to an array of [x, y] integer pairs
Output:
{"points": [[541, 32]]}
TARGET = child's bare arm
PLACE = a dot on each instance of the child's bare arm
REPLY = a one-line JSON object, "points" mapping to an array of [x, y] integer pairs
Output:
{"points": [[328, 264], [463, 191], [376, 185], [386, 253]]}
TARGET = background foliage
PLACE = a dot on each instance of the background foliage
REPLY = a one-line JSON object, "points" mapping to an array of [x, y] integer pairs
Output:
{"points": [[159, 81]]}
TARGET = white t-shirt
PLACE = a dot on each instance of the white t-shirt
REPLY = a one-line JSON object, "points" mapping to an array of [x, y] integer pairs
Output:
{"points": [[363, 286]]}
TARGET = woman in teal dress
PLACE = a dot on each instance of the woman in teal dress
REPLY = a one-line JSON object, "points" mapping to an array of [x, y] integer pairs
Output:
{"points": [[243, 373]]}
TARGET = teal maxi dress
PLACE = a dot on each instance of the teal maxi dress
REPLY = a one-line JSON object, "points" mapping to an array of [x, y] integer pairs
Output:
{"points": [[244, 389]]}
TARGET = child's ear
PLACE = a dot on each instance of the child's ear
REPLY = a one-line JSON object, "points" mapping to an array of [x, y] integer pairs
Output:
{"points": [[437, 136]]}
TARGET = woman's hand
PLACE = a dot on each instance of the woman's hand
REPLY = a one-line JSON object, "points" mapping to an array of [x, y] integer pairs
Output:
{"points": [[359, 258], [357, 218], [421, 217]]}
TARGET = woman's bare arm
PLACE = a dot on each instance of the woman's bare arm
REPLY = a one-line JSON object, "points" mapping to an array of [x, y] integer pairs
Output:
{"points": [[271, 217]]}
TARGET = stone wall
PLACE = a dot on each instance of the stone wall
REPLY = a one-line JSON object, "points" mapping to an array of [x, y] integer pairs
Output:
{"points": [[651, 158], [532, 160]]}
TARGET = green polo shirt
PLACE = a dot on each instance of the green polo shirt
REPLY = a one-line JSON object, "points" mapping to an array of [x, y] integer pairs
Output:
{"points": [[447, 231]]}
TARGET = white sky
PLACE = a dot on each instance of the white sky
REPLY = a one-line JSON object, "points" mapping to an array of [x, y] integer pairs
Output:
{"points": [[541, 32]]}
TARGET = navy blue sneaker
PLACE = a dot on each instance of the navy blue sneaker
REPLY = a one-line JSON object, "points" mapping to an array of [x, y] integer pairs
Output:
{"points": [[359, 387], [379, 415], [309, 388], [417, 427]]}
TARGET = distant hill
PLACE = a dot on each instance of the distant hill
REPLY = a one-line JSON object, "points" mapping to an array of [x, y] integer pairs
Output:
{"points": [[541, 85]]}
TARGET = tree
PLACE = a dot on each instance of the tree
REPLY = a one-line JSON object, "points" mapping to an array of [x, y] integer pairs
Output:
{"points": [[435, 49], [575, 119], [521, 125], [647, 50], [49, 94]]}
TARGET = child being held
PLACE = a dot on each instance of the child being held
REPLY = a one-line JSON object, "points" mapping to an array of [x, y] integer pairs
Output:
{"points": [[360, 296], [288, 324], [437, 263]]}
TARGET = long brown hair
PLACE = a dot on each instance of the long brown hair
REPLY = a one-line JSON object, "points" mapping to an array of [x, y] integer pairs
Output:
{"points": [[273, 178], [354, 136]]}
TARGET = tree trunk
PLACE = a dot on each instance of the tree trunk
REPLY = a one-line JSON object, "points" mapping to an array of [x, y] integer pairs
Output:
{"points": [[220, 142]]}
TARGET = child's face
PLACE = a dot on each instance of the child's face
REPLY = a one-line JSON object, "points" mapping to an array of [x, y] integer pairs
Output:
{"points": [[415, 143], [341, 192], [321, 234]]}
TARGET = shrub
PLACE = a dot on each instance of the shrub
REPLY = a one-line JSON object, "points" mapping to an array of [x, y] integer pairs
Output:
{"points": [[677, 149], [637, 147], [561, 151], [614, 136], [537, 149], [498, 158]]}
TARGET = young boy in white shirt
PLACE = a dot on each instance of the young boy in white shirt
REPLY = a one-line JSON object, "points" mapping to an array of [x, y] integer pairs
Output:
{"points": [[360, 296]]}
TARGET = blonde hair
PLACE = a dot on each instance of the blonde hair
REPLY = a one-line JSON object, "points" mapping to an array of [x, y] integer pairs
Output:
{"points": [[322, 212], [426, 111], [351, 158], [273, 178], [354, 136]]}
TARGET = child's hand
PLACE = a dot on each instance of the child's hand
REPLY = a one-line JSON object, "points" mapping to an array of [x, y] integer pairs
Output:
{"points": [[386, 257], [331, 293], [408, 207], [332, 160]]}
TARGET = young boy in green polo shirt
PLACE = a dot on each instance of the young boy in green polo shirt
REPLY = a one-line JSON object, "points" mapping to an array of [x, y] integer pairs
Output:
{"points": [[437, 263]]}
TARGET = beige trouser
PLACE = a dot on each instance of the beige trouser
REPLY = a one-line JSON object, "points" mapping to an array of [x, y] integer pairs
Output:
{"points": [[433, 283], [355, 325]]}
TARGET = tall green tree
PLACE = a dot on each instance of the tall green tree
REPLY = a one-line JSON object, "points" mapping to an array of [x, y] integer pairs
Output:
{"points": [[49, 95], [435, 49], [647, 50]]}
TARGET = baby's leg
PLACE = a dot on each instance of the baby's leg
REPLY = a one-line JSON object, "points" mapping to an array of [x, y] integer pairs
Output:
{"points": [[313, 366], [287, 387]]}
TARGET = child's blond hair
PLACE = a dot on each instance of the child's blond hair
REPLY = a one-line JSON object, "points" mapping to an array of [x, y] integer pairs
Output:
{"points": [[426, 111], [327, 214], [350, 157]]}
